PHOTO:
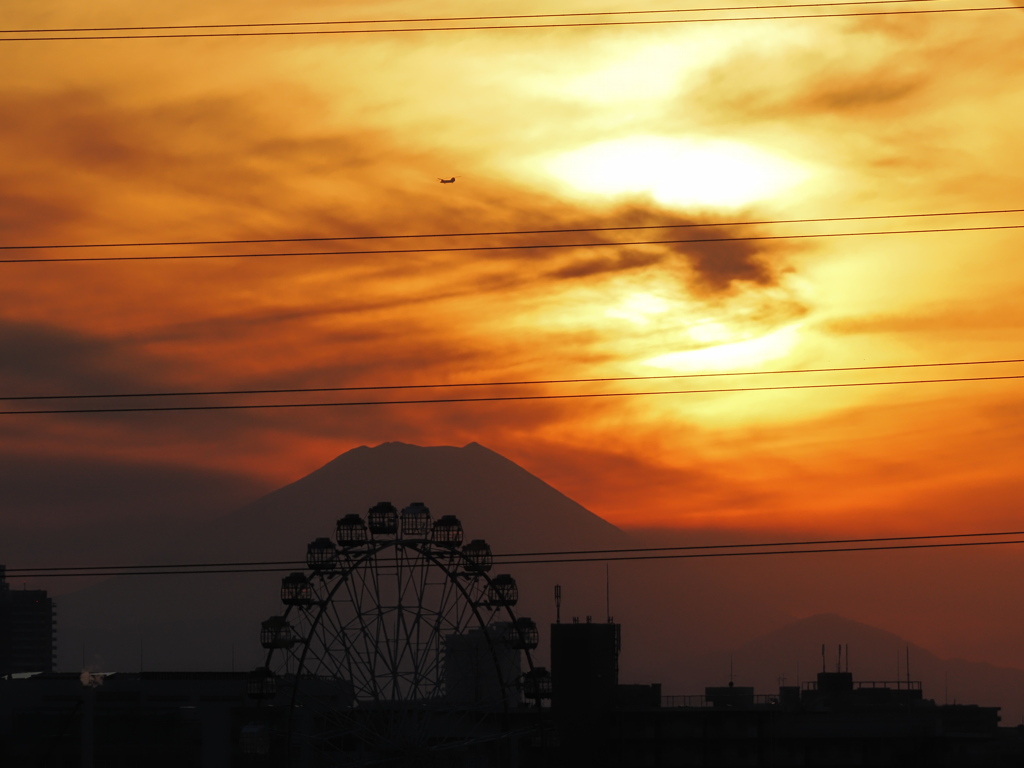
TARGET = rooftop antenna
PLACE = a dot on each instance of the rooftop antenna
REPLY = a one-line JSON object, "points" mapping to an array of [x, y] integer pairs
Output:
{"points": [[823, 670], [607, 594], [908, 666], [847, 657], [558, 603]]}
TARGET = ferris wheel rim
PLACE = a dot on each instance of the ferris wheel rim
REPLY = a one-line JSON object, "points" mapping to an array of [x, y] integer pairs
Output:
{"points": [[414, 595], [368, 552]]}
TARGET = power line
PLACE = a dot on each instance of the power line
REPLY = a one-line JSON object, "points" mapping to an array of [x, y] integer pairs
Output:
{"points": [[689, 556], [688, 225], [293, 32], [498, 556], [811, 543], [877, 544], [495, 399], [422, 20], [479, 248], [525, 382]]}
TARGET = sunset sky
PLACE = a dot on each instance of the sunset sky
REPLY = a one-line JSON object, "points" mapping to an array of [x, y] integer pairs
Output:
{"points": [[341, 135]]}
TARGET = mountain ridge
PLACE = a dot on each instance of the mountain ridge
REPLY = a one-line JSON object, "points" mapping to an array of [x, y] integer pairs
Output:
{"points": [[364, 475]]}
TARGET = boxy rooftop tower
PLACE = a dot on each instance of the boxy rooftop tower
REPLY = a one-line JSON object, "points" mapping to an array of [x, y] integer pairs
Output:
{"points": [[584, 665]]}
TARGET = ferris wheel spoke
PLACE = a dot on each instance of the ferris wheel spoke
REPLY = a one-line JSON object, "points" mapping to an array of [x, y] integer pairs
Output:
{"points": [[381, 620], [353, 635], [374, 623], [331, 647], [412, 609], [447, 620], [405, 631], [422, 643], [367, 640]]}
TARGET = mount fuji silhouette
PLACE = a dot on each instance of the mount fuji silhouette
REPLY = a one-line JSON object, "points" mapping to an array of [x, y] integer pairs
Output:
{"points": [[211, 621], [494, 498]]}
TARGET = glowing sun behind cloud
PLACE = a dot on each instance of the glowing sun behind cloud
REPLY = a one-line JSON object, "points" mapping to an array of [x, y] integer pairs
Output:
{"points": [[744, 353], [676, 172]]}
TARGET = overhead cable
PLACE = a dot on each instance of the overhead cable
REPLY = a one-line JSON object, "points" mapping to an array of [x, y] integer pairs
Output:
{"points": [[426, 20], [524, 382], [494, 248], [576, 230], [877, 544], [755, 553], [494, 399], [498, 556], [563, 25]]}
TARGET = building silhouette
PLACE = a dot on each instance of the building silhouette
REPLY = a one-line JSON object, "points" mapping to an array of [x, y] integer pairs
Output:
{"points": [[833, 720], [476, 664], [146, 719], [28, 641], [576, 714]]}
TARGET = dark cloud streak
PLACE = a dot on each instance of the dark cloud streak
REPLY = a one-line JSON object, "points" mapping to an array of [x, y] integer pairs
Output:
{"points": [[46, 359]]}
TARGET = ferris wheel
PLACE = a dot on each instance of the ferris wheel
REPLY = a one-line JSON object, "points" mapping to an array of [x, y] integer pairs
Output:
{"points": [[395, 646]]}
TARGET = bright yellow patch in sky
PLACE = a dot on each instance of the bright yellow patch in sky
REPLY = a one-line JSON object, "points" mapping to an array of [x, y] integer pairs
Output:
{"points": [[638, 307], [747, 354], [677, 172]]}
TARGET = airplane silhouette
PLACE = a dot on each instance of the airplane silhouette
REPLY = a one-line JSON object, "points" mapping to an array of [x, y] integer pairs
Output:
{"points": [[447, 181]]}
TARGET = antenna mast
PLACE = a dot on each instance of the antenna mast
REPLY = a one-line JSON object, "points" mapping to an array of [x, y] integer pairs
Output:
{"points": [[607, 595], [558, 603]]}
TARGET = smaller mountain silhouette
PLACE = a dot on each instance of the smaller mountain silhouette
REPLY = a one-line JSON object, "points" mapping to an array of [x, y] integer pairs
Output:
{"points": [[793, 654]]}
